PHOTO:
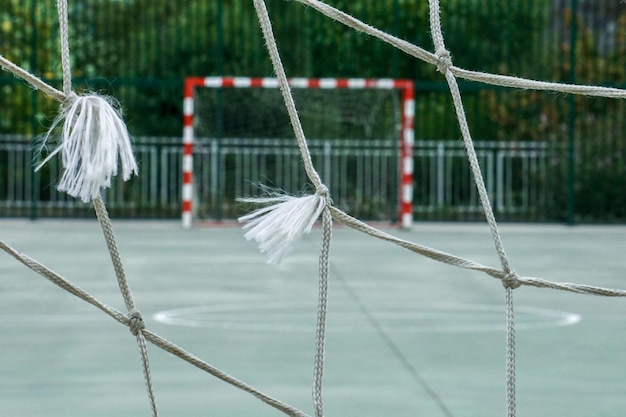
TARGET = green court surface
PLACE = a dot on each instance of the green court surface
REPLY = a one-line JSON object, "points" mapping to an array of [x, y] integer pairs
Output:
{"points": [[407, 336]]}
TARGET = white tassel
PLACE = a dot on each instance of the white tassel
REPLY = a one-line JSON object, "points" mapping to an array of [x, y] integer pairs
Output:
{"points": [[276, 228], [93, 139]]}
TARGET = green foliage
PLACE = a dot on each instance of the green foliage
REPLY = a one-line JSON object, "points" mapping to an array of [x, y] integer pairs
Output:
{"points": [[140, 51], [117, 43], [20, 110], [594, 127]]}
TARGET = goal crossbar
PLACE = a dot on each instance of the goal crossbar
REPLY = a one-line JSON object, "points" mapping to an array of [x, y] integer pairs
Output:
{"points": [[406, 137]]}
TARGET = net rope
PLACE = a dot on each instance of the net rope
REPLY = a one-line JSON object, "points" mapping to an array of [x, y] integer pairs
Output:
{"points": [[276, 226], [136, 323]]}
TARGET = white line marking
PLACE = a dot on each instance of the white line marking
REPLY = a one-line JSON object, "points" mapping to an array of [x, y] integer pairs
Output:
{"points": [[292, 317]]}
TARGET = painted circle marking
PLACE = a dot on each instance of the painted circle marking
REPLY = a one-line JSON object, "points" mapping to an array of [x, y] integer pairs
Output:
{"points": [[293, 317]]}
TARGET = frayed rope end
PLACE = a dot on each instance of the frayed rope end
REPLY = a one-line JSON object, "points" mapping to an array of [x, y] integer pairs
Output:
{"points": [[94, 139], [278, 226]]}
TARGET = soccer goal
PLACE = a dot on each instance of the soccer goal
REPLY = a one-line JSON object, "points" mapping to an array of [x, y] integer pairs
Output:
{"points": [[360, 133]]}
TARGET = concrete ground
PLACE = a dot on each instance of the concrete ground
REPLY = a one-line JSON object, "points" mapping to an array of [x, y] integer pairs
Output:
{"points": [[406, 336]]}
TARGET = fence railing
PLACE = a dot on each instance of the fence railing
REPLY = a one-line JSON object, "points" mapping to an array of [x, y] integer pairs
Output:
{"points": [[571, 41], [514, 173], [362, 176]]}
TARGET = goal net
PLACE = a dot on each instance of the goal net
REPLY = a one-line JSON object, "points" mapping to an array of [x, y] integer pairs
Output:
{"points": [[94, 139], [359, 131]]}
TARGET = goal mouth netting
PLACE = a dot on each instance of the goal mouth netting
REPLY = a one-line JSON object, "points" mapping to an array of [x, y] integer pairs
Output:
{"points": [[95, 141], [358, 131], [325, 113]]}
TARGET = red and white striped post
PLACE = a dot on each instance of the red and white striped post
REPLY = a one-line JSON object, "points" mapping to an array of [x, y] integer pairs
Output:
{"points": [[406, 155], [406, 140], [187, 190]]}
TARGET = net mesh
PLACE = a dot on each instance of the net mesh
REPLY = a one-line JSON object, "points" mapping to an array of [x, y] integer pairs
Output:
{"points": [[324, 113], [285, 218], [243, 137]]}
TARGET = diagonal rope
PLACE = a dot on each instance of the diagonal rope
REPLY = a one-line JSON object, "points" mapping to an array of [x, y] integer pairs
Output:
{"points": [[440, 58], [433, 59], [61, 282], [135, 319], [460, 262], [444, 64], [109, 237], [129, 321], [321, 194], [34, 81], [266, 28], [510, 281]]}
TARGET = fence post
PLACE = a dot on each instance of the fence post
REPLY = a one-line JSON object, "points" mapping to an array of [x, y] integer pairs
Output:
{"points": [[216, 142], [441, 187], [34, 178], [327, 161], [216, 190], [219, 50], [571, 174]]}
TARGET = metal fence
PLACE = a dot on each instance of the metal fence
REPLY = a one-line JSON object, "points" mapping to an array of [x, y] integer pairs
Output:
{"points": [[362, 176], [140, 51], [155, 192], [516, 175]]}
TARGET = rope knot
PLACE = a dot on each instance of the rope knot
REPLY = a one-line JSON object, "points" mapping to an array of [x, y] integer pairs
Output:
{"points": [[322, 191], [135, 323], [444, 60], [70, 98], [511, 280]]}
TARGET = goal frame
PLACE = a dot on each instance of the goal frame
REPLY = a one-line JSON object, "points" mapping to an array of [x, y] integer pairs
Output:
{"points": [[407, 98]]}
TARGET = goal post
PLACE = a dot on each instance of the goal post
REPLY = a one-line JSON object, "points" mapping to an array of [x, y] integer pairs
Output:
{"points": [[328, 92]]}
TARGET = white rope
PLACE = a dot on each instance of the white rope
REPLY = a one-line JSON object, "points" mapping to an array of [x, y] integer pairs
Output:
{"points": [[61, 282], [324, 270], [444, 64], [134, 322], [278, 226], [65, 45], [109, 237], [510, 353], [93, 136], [338, 215], [432, 58], [270, 41], [34, 81], [75, 185], [460, 262]]}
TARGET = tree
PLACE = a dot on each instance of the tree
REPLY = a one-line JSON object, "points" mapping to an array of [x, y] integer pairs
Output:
{"points": [[26, 40]]}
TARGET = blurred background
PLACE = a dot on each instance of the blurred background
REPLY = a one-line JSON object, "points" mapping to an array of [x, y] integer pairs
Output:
{"points": [[546, 157]]}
